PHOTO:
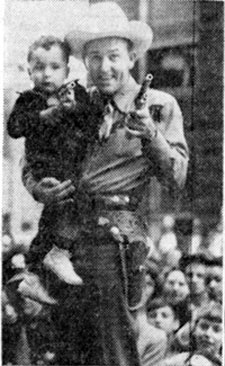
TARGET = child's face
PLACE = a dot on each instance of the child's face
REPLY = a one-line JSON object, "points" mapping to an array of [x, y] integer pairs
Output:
{"points": [[163, 318], [208, 334], [48, 69]]}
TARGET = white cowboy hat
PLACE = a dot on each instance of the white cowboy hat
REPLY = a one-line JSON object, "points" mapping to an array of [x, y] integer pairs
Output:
{"points": [[107, 19]]}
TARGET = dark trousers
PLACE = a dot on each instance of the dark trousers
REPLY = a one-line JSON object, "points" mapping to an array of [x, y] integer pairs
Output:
{"points": [[93, 321]]}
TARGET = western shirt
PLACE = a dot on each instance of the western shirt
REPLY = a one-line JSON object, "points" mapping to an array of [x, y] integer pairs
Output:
{"points": [[124, 164]]}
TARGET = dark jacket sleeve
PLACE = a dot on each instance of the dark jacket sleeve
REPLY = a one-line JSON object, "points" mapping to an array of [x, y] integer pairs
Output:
{"points": [[24, 117]]}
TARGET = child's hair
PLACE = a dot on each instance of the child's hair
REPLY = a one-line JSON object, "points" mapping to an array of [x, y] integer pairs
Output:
{"points": [[47, 42], [211, 312], [160, 302]]}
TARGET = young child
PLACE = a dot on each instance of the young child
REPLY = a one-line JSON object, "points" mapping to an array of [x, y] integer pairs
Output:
{"points": [[53, 120], [162, 315]]}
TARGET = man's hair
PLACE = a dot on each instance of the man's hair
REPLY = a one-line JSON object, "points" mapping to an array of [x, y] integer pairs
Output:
{"points": [[130, 45], [198, 258], [47, 42], [213, 312], [170, 270]]}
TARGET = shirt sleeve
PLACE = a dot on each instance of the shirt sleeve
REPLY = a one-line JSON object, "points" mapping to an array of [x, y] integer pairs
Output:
{"points": [[168, 150], [155, 347]]}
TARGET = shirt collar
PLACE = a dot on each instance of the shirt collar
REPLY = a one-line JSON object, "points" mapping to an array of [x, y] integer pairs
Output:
{"points": [[125, 99]]}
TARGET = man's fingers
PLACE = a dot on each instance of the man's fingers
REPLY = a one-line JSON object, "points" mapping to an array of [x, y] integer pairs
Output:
{"points": [[62, 186], [64, 202], [49, 182], [134, 132], [65, 193]]}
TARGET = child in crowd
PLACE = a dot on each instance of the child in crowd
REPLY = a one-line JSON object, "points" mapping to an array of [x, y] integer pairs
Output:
{"points": [[175, 290], [53, 120], [162, 315], [214, 279], [206, 339]]}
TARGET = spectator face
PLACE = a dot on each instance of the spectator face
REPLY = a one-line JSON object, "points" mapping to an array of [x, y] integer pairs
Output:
{"points": [[109, 63], [208, 335], [214, 281], [175, 287], [195, 274], [48, 68], [163, 318]]}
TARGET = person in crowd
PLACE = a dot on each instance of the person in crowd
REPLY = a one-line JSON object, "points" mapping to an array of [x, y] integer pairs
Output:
{"points": [[214, 279], [152, 280], [203, 292], [110, 248], [162, 315], [22, 343], [175, 291], [151, 341], [215, 240], [206, 340], [197, 236], [168, 240], [195, 268]]}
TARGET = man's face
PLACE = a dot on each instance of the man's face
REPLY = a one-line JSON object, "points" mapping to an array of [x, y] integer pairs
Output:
{"points": [[163, 318], [48, 69], [214, 281], [208, 335], [195, 273], [175, 287], [109, 63]]}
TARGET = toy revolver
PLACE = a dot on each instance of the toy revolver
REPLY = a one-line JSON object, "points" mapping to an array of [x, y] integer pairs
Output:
{"points": [[67, 91], [141, 98], [139, 102]]}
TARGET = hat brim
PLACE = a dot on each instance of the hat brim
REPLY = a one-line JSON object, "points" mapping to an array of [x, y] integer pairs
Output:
{"points": [[139, 33]]}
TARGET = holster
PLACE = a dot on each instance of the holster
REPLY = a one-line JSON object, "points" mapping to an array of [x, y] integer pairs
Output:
{"points": [[133, 256]]}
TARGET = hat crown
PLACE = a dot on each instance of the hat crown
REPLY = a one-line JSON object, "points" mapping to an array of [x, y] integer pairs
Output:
{"points": [[105, 17]]}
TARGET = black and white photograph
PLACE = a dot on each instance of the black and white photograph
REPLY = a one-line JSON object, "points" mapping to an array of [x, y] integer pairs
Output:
{"points": [[112, 183]]}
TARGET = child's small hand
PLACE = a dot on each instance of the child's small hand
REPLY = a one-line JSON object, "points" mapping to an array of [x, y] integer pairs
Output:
{"points": [[67, 99], [69, 105], [47, 112]]}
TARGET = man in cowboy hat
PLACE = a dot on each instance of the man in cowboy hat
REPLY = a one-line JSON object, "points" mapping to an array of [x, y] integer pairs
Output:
{"points": [[110, 241]]}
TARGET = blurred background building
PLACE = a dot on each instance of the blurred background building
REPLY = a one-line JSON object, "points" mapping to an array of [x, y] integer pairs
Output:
{"points": [[186, 60]]}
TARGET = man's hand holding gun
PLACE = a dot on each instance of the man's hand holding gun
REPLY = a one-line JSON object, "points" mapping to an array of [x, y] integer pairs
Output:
{"points": [[139, 123]]}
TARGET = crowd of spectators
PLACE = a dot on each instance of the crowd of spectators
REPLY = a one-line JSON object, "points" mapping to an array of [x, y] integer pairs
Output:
{"points": [[179, 322]]}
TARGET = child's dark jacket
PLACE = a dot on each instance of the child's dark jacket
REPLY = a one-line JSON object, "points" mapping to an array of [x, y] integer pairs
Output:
{"points": [[55, 146]]}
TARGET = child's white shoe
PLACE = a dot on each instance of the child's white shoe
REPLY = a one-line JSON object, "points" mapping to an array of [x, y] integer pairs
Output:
{"points": [[32, 287], [58, 261]]}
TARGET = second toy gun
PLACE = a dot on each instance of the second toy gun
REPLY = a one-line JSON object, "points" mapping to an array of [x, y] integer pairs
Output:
{"points": [[140, 101]]}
